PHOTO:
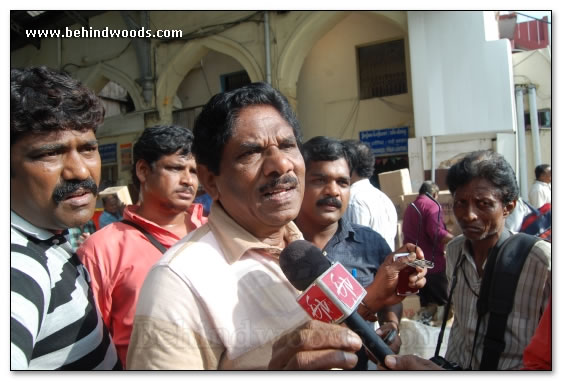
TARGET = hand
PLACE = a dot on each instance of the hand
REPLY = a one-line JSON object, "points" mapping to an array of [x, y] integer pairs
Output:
{"points": [[82, 238], [409, 362], [395, 342], [382, 291], [316, 346]]}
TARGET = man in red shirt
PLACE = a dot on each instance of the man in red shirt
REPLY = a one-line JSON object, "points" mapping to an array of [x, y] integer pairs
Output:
{"points": [[120, 255]]}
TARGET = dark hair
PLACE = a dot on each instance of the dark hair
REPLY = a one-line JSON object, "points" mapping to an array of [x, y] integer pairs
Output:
{"points": [[488, 165], [541, 169], [324, 149], [157, 141], [428, 186], [361, 157], [43, 100], [215, 124]]}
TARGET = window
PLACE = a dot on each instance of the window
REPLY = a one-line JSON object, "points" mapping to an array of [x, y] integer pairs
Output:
{"points": [[382, 69], [234, 80], [544, 119]]}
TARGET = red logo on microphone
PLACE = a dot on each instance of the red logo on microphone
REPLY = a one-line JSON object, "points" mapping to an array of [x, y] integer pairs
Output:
{"points": [[319, 306], [340, 282]]}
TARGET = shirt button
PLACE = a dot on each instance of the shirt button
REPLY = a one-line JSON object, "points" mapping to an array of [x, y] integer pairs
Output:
{"points": [[55, 241]]}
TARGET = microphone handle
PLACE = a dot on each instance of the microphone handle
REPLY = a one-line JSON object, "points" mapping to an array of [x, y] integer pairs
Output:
{"points": [[371, 340]]}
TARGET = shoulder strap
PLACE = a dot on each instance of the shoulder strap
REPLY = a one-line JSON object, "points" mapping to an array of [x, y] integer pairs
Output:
{"points": [[497, 294], [448, 304], [151, 238]]}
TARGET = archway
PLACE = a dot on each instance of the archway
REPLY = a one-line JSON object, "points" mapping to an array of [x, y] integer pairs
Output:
{"points": [[190, 55]]}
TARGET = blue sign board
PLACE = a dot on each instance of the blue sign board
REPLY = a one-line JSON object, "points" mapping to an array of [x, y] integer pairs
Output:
{"points": [[108, 153], [387, 141]]}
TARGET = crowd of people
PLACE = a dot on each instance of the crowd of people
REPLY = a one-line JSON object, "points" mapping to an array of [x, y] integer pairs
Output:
{"points": [[168, 284]]}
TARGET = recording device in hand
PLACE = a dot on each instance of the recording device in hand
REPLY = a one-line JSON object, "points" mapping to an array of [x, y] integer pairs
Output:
{"points": [[403, 288], [331, 294]]}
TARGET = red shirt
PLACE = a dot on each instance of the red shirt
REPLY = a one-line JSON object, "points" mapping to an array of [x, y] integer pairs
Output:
{"points": [[118, 258], [537, 355]]}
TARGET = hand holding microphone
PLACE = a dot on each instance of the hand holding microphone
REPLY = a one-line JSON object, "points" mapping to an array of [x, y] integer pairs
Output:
{"points": [[331, 294]]}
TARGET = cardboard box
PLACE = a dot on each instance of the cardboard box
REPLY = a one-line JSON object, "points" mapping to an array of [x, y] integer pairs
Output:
{"points": [[397, 201], [122, 192], [447, 202], [396, 182]]}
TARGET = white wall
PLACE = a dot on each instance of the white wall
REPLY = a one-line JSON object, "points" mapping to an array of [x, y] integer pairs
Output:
{"points": [[462, 83], [327, 91]]}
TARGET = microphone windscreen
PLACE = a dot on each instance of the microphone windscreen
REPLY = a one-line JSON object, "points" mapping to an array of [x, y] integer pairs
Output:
{"points": [[302, 263]]}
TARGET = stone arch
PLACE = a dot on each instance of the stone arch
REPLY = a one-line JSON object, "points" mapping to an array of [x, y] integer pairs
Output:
{"points": [[305, 37], [188, 56], [102, 73]]}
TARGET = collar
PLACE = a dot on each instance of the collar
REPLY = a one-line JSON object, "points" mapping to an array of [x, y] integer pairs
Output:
{"points": [[32, 231], [345, 231], [194, 216], [234, 240], [543, 183], [361, 183], [468, 253]]}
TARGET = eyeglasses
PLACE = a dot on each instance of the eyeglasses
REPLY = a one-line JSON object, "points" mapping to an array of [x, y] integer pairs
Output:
{"points": [[420, 226]]}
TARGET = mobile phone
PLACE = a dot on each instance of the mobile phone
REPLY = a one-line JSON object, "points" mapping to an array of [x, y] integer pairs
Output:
{"points": [[416, 263]]}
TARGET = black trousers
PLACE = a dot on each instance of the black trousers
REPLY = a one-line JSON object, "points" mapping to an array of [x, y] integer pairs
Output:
{"points": [[435, 291]]}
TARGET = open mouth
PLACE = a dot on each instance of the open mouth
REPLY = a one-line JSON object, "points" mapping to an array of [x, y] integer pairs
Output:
{"points": [[280, 193], [77, 194]]}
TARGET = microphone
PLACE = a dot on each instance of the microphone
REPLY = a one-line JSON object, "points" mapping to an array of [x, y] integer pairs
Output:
{"points": [[331, 294]]}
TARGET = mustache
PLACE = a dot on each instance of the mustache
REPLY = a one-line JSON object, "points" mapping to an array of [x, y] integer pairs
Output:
{"points": [[329, 201], [67, 187], [287, 179], [189, 189]]}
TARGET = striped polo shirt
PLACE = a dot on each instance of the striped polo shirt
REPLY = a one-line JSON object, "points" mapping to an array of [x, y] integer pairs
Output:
{"points": [[532, 296], [54, 323]]}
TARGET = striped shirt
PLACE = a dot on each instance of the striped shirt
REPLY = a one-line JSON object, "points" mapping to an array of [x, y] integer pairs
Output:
{"points": [[54, 320], [532, 296]]}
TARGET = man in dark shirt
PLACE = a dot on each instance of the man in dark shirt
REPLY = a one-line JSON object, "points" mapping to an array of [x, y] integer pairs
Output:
{"points": [[358, 248]]}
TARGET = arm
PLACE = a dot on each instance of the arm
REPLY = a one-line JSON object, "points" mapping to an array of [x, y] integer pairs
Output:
{"points": [[100, 281], [389, 319], [430, 222], [30, 295]]}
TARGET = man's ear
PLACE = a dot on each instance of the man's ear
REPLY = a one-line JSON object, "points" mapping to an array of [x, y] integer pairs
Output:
{"points": [[208, 180], [509, 207], [142, 169]]}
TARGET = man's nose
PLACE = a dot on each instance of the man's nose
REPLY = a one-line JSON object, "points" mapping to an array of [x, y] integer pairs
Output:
{"points": [[332, 189], [469, 214], [74, 166], [189, 179], [276, 162]]}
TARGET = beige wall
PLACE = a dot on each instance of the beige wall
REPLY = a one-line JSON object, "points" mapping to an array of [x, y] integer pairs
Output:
{"points": [[328, 91], [534, 67], [203, 81]]}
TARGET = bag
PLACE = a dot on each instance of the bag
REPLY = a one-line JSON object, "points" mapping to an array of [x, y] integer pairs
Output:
{"points": [[538, 222]]}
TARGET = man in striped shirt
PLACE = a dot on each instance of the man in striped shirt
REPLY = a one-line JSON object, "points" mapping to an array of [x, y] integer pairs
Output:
{"points": [[54, 172], [485, 192]]}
